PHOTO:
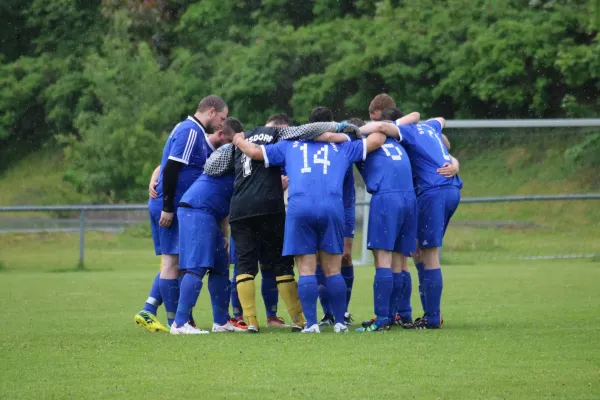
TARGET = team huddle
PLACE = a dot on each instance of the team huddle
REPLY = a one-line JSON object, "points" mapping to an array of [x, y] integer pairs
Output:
{"points": [[214, 176]]}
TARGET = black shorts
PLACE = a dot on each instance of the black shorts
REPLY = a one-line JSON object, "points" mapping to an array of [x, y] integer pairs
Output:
{"points": [[261, 238]]}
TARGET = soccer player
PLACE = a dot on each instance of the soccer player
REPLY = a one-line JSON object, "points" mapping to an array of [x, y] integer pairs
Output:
{"points": [[379, 104], [392, 226], [438, 197], [258, 213], [315, 218], [184, 155], [268, 287], [324, 114], [203, 234]]}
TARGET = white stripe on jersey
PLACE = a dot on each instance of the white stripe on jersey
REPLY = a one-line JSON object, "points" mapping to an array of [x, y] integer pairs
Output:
{"points": [[264, 151], [208, 142], [364, 149], [189, 146]]}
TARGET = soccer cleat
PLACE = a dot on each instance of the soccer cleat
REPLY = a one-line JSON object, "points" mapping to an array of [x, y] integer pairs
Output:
{"points": [[348, 319], [327, 320], [424, 316], [227, 327], [312, 329], [373, 327], [402, 321], [252, 329], [186, 329], [238, 324], [340, 328], [296, 328], [421, 323], [149, 322], [276, 322], [365, 324]]}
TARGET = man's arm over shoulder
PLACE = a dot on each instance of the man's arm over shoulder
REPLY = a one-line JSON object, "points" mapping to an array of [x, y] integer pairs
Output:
{"points": [[221, 161], [307, 131]]}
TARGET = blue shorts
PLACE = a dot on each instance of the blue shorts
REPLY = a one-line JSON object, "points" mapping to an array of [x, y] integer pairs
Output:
{"points": [[201, 244], [393, 222], [349, 221], [314, 223], [166, 240], [435, 208]]}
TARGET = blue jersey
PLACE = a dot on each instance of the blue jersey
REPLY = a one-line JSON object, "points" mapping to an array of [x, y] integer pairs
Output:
{"points": [[387, 169], [211, 194], [427, 152], [188, 144], [315, 169], [349, 190]]}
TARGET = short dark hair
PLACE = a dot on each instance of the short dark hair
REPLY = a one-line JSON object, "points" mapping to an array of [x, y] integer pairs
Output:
{"points": [[381, 102], [279, 119], [356, 121], [212, 101], [232, 126], [320, 114], [391, 114]]}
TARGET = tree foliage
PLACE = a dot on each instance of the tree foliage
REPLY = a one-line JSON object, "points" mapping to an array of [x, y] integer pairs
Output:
{"points": [[110, 79]]}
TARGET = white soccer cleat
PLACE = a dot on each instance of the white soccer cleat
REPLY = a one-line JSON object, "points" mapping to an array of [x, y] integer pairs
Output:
{"points": [[186, 329], [340, 328], [312, 329], [228, 327]]}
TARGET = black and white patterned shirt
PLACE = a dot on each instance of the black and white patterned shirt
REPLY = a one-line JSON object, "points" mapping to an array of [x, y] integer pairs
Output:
{"points": [[258, 189]]}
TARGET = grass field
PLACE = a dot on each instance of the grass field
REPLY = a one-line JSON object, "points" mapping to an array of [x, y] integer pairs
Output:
{"points": [[512, 330]]}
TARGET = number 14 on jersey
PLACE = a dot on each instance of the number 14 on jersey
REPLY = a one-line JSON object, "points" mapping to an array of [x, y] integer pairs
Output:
{"points": [[320, 157]]}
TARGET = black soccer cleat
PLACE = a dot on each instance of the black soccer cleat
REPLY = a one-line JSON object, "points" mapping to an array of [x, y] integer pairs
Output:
{"points": [[420, 324], [348, 319], [327, 320]]}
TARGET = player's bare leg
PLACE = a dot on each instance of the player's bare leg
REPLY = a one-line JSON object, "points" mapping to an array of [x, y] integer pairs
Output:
{"points": [[308, 291], [348, 274], [332, 266]]}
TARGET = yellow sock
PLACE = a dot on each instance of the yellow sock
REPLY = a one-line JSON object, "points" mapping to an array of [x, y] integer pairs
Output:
{"points": [[247, 295], [288, 289]]}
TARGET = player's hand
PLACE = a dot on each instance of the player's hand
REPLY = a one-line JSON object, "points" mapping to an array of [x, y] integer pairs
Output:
{"points": [[285, 182], [166, 219], [238, 137], [226, 244], [448, 170], [152, 189], [351, 130]]}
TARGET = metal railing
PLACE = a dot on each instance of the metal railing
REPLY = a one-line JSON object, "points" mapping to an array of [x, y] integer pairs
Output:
{"points": [[82, 209], [467, 124]]}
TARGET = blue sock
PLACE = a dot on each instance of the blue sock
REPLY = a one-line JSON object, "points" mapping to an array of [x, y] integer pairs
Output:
{"points": [[432, 289], [308, 293], [404, 308], [396, 293], [348, 274], [154, 298], [337, 296], [236, 306], [191, 284], [219, 297], [420, 268], [382, 293], [323, 292], [270, 294], [169, 290]]}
